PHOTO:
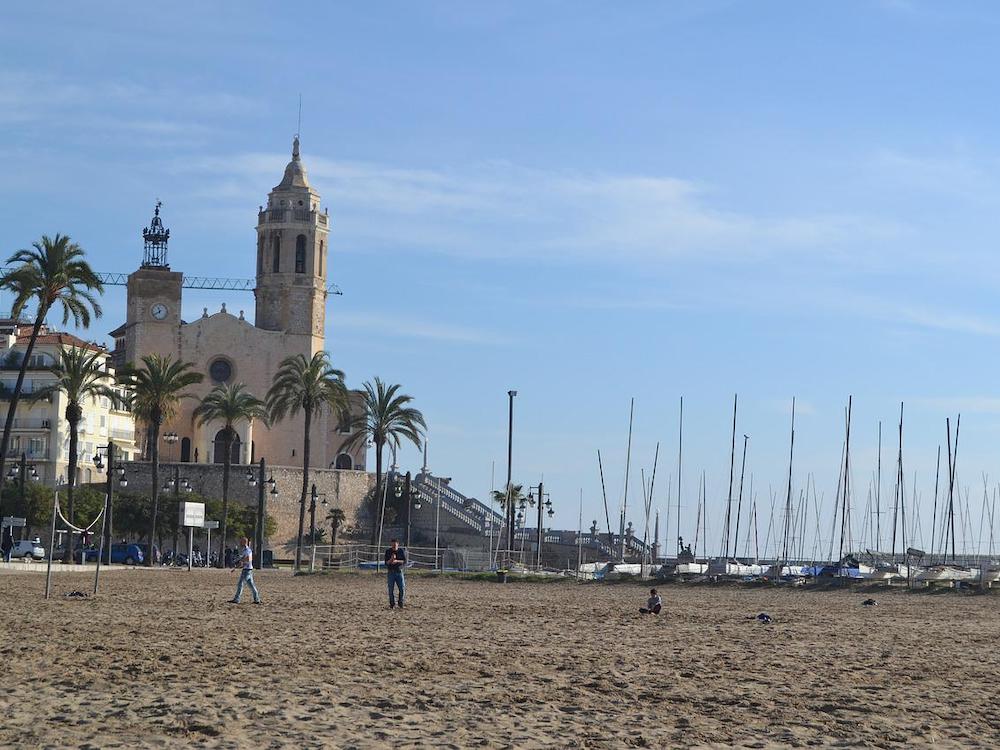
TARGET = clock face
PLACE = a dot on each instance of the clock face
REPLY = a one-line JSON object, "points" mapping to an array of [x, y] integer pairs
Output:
{"points": [[158, 311]]}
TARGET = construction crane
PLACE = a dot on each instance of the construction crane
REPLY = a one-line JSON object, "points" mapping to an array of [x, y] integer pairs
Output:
{"points": [[202, 282]]}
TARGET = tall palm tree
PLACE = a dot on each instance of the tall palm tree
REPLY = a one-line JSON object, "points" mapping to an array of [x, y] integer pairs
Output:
{"points": [[336, 517], [516, 496], [387, 420], [310, 386], [156, 390], [81, 375], [229, 404], [53, 272]]}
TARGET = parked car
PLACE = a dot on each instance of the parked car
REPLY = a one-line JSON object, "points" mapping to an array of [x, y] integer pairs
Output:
{"points": [[28, 548], [129, 554]]}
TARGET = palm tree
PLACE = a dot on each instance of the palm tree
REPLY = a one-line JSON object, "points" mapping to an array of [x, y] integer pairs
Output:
{"points": [[336, 517], [156, 390], [387, 420], [80, 374], [229, 404], [52, 272], [516, 496], [310, 386]]}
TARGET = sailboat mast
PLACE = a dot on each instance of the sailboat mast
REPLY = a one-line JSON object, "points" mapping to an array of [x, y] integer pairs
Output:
{"points": [[739, 503], [680, 448], [937, 479], [878, 492], [844, 522], [788, 496], [729, 497], [607, 514], [628, 465]]}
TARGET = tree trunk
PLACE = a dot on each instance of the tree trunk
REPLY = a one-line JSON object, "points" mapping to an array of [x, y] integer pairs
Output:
{"points": [[377, 504], [73, 417], [8, 425], [334, 528], [227, 461], [305, 488], [155, 453]]}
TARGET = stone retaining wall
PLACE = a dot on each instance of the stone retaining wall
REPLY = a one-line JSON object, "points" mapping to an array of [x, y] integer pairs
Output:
{"points": [[344, 489]]}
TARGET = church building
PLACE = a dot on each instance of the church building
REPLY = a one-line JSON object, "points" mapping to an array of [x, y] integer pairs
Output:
{"points": [[290, 317]]}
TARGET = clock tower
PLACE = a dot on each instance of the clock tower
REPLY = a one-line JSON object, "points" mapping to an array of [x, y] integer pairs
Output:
{"points": [[153, 297]]}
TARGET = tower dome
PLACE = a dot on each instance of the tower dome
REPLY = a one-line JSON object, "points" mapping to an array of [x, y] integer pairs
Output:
{"points": [[295, 173]]}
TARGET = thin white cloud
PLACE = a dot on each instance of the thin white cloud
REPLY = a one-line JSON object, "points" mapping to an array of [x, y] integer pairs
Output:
{"points": [[500, 210], [409, 327], [959, 404]]}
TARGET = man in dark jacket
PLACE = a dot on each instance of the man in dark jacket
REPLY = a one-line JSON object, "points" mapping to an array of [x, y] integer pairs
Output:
{"points": [[395, 562]]}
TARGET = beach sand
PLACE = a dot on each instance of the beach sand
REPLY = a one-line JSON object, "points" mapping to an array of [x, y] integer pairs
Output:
{"points": [[160, 659]]}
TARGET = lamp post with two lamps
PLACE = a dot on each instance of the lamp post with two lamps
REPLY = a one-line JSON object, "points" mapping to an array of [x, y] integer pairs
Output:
{"points": [[544, 504], [24, 470], [115, 470], [178, 484], [312, 524], [171, 438], [265, 486], [403, 488]]}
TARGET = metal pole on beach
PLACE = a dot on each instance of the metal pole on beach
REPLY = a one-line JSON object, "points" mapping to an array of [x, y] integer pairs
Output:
{"points": [[510, 459], [541, 498], [437, 524], [312, 529], [52, 544]]}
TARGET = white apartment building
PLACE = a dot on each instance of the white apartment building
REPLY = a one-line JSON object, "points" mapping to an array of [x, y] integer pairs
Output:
{"points": [[40, 430]]}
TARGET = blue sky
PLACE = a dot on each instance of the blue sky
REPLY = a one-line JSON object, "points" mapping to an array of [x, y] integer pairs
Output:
{"points": [[587, 202]]}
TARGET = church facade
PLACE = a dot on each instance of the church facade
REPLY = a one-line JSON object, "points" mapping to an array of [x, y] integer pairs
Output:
{"points": [[289, 318]]}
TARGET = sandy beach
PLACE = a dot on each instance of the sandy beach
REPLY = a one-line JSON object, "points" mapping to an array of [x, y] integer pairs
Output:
{"points": [[160, 659]]}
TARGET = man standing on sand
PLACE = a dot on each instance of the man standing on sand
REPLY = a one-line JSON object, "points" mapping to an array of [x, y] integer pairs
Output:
{"points": [[395, 561], [246, 574]]}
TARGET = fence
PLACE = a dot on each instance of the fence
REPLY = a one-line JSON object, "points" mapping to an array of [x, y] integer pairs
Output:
{"points": [[367, 556]]}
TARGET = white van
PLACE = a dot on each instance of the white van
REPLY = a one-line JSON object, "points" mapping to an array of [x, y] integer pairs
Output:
{"points": [[26, 548]]}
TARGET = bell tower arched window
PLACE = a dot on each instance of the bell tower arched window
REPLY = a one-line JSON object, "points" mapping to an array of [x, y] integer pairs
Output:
{"points": [[276, 256], [300, 254]]}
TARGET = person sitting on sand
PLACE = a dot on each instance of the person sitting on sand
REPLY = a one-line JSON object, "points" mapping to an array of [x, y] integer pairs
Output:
{"points": [[653, 605], [395, 560]]}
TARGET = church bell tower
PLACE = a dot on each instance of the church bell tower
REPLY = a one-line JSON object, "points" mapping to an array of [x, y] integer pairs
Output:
{"points": [[292, 234]]}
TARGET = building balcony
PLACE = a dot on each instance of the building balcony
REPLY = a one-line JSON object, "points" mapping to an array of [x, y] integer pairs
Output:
{"points": [[22, 424]]}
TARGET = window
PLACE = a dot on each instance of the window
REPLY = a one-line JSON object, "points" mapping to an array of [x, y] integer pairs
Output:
{"points": [[300, 254], [260, 255], [103, 418], [344, 461], [276, 256], [322, 268], [220, 370]]}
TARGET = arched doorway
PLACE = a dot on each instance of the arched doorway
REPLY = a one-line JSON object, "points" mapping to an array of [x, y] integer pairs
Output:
{"points": [[185, 450], [344, 461], [220, 448]]}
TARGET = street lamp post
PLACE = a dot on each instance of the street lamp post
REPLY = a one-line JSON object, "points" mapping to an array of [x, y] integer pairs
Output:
{"points": [[178, 483], [113, 471], [265, 486], [24, 470], [510, 457], [312, 525], [413, 498], [544, 503]]}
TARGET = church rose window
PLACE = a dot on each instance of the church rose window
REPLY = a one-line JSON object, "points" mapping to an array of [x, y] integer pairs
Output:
{"points": [[220, 370], [300, 254]]}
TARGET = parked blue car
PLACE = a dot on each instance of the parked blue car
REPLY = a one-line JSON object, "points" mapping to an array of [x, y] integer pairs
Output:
{"points": [[129, 554]]}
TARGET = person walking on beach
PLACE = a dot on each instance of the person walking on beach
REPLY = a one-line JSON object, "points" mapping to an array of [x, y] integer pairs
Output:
{"points": [[395, 561], [653, 605], [246, 573]]}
